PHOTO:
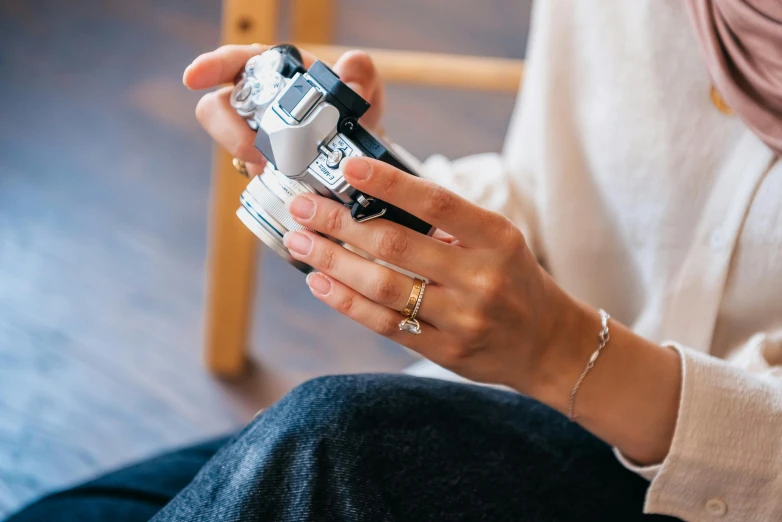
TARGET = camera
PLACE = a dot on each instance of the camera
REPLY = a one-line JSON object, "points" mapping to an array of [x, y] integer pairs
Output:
{"points": [[306, 123]]}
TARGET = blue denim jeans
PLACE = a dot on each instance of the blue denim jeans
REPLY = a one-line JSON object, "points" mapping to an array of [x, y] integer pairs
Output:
{"points": [[399, 448]]}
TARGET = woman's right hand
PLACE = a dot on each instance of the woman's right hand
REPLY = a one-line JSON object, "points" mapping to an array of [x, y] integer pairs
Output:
{"points": [[227, 128]]}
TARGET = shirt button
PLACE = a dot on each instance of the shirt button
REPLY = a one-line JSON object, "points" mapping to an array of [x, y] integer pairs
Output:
{"points": [[716, 507], [717, 239]]}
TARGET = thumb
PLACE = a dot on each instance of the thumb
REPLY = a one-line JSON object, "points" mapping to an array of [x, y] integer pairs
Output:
{"points": [[357, 71]]}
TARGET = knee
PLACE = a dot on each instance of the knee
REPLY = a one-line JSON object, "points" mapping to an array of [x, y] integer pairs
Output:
{"points": [[331, 404], [344, 406], [346, 388], [342, 400]]}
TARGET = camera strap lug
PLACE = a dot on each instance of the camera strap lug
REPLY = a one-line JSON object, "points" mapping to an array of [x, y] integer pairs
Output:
{"points": [[366, 208]]}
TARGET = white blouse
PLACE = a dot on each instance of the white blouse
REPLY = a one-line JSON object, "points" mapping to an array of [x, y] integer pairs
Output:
{"points": [[640, 197]]}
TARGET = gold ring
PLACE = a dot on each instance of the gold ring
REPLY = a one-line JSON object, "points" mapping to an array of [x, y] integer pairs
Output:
{"points": [[410, 324], [240, 167], [415, 293]]}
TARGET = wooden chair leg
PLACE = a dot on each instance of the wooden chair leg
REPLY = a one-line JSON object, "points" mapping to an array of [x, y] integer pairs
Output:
{"points": [[232, 249], [312, 21], [231, 277]]}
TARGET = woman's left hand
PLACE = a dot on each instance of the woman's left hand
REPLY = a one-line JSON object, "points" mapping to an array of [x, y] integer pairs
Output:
{"points": [[489, 312]]}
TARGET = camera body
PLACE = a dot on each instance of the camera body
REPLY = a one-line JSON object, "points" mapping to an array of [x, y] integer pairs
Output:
{"points": [[306, 123]]}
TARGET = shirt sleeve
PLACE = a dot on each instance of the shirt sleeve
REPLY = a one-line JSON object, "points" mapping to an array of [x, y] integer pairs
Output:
{"points": [[725, 460]]}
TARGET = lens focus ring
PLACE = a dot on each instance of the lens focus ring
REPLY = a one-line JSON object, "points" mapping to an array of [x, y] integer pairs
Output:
{"points": [[272, 204]]}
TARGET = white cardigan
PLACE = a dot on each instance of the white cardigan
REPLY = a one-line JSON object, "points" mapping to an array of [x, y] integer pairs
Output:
{"points": [[640, 197]]}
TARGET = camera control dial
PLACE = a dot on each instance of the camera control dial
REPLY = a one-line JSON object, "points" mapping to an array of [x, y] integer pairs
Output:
{"points": [[240, 99], [252, 94], [265, 87], [270, 60]]}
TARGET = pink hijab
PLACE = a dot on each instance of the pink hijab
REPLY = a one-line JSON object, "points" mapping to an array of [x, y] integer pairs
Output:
{"points": [[742, 43]]}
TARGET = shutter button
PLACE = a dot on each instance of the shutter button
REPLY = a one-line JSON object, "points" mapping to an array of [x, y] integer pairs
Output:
{"points": [[716, 507]]}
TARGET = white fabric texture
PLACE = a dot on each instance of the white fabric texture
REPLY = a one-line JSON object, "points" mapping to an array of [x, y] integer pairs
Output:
{"points": [[642, 198]]}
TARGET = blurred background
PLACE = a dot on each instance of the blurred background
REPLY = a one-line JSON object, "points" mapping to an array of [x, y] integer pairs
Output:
{"points": [[104, 182]]}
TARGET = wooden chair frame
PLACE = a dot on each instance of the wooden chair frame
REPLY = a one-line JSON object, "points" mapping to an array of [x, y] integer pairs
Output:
{"points": [[232, 249]]}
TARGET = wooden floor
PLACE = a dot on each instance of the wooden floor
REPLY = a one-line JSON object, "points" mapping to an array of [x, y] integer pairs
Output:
{"points": [[103, 189]]}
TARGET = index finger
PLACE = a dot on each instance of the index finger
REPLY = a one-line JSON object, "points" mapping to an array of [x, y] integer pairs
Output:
{"points": [[422, 198], [224, 63]]}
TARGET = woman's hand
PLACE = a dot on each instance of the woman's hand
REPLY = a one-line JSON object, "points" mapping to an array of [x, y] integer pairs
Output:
{"points": [[489, 313], [221, 121]]}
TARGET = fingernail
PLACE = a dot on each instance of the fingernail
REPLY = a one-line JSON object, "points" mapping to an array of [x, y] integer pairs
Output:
{"points": [[318, 283], [356, 168], [297, 242], [302, 207], [184, 74]]}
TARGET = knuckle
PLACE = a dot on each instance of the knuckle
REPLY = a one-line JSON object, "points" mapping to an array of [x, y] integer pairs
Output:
{"points": [[346, 304], [476, 328], [384, 291], [508, 249], [392, 244], [333, 223], [389, 181], [386, 325], [511, 236], [327, 259], [491, 285], [438, 202]]}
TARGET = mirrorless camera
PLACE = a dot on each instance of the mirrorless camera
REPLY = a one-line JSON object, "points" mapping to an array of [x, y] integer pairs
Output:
{"points": [[306, 123]]}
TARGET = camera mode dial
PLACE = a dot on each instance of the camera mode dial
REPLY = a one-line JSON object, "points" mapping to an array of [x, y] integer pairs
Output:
{"points": [[253, 93], [271, 60], [265, 87]]}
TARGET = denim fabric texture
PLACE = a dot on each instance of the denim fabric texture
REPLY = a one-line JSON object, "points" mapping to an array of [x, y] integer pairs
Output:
{"points": [[401, 448]]}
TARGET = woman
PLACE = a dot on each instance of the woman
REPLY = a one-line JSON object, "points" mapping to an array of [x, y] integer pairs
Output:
{"points": [[626, 178]]}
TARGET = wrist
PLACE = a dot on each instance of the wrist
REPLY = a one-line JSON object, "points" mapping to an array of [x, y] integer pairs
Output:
{"points": [[629, 399], [572, 338]]}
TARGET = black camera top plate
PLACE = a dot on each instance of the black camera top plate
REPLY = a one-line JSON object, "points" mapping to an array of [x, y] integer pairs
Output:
{"points": [[349, 103]]}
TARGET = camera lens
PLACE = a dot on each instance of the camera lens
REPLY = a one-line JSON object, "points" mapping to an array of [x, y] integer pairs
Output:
{"points": [[263, 210]]}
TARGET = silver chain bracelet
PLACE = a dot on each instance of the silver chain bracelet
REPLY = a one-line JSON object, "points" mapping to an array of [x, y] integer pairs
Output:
{"points": [[603, 339]]}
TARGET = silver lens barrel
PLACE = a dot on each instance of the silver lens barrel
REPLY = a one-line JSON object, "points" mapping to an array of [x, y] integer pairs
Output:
{"points": [[263, 210]]}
